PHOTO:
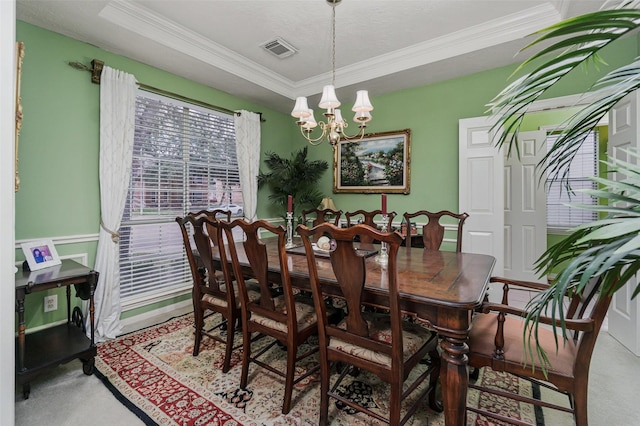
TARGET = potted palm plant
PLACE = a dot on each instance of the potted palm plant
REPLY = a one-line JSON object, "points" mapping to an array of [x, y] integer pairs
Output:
{"points": [[608, 248], [296, 176]]}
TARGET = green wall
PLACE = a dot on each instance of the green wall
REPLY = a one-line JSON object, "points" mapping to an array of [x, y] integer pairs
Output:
{"points": [[59, 143], [58, 167], [432, 113]]}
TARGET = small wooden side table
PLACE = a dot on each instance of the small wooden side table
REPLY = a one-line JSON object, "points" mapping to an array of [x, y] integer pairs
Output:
{"points": [[51, 347]]}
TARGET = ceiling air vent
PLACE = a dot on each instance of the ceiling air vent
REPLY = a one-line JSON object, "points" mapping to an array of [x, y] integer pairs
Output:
{"points": [[280, 48]]}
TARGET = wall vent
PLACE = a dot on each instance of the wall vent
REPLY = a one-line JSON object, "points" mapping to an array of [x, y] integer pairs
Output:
{"points": [[280, 48]]}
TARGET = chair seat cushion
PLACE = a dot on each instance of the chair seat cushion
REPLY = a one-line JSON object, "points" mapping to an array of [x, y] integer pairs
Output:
{"points": [[305, 315], [413, 338], [482, 338], [253, 291]]}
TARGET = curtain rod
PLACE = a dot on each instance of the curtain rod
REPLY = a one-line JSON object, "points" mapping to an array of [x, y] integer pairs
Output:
{"points": [[96, 72]]}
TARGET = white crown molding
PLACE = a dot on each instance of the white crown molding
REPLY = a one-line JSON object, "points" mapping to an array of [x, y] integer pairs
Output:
{"points": [[146, 23], [563, 8], [512, 27], [155, 27]]}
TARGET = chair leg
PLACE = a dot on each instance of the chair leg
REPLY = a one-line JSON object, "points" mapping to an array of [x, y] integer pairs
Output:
{"points": [[325, 374], [474, 374], [198, 316], [230, 335], [580, 405], [289, 376], [394, 403], [434, 403], [246, 354]]}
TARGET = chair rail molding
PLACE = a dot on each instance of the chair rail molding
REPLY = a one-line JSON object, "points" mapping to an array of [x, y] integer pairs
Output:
{"points": [[61, 240]]}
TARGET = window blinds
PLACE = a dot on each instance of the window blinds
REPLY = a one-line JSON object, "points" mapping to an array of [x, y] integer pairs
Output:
{"points": [[184, 161], [583, 166]]}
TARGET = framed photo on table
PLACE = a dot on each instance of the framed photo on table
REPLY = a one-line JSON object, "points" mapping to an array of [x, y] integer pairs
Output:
{"points": [[40, 254], [378, 163]]}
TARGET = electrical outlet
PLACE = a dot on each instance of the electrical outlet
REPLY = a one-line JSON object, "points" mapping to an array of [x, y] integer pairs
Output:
{"points": [[51, 303]]}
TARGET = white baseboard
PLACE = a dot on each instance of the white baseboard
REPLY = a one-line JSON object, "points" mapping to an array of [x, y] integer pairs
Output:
{"points": [[130, 321], [127, 323]]}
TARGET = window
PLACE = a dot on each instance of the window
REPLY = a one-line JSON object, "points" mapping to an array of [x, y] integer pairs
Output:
{"points": [[184, 160], [583, 166]]}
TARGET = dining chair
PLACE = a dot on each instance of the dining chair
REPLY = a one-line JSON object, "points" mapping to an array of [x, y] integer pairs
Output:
{"points": [[433, 230], [287, 319], [209, 290], [368, 218], [382, 344], [318, 216], [496, 341]]}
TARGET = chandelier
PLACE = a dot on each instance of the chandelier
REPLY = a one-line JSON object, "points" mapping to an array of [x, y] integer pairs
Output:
{"points": [[335, 125]]}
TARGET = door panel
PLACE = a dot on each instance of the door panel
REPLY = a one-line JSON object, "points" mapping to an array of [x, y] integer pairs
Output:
{"points": [[623, 316], [480, 190], [525, 209]]}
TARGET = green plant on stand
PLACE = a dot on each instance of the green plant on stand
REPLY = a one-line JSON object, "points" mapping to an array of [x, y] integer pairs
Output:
{"points": [[296, 176]]}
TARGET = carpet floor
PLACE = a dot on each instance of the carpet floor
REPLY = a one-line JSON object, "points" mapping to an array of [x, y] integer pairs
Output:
{"points": [[153, 372]]}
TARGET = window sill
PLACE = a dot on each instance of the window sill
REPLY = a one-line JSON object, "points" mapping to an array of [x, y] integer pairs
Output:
{"points": [[556, 230]]}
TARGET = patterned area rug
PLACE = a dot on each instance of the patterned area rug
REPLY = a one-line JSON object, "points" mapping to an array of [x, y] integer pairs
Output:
{"points": [[153, 372]]}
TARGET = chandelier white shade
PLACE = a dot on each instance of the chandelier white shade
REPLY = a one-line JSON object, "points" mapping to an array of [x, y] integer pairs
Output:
{"points": [[334, 127]]}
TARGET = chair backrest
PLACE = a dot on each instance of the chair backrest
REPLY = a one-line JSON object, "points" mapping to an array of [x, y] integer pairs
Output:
{"points": [[368, 218], [588, 304], [433, 230], [201, 264], [218, 214], [350, 271], [318, 216], [594, 306], [258, 258], [203, 268]]}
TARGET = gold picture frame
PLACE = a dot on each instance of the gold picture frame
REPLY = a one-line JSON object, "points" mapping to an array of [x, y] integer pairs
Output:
{"points": [[378, 163], [19, 58]]}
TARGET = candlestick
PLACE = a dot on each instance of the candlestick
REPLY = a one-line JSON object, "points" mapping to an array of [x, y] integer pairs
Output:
{"points": [[383, 257], [384, 204], [289, 204], [289, 243]]}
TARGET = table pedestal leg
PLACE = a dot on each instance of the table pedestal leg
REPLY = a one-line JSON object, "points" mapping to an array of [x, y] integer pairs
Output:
{"points": [[454, 379]]}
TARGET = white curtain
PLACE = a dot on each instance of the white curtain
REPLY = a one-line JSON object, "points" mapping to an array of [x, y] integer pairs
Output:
{"points": [[117, 124], [247, 125]]}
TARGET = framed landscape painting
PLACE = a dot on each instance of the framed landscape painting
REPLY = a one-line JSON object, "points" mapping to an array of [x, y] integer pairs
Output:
{"points": [[378, 163]]}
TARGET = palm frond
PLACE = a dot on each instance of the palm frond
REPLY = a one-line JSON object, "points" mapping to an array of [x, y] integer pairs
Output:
{"points": [[580, 40], [608, 248], [609, 90]]}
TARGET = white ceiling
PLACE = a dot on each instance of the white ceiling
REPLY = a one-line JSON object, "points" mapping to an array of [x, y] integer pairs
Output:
{"points": [[382, 46]]}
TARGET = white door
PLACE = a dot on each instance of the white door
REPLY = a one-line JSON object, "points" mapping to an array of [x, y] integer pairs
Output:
{"points": [[624, 318], [525, 208], [480, 190]]}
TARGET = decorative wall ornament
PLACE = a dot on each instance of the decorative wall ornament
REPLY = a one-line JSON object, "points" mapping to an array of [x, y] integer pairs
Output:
{"points": [[19, 57]]}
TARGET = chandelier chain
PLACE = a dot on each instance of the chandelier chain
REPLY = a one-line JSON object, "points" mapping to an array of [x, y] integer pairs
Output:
{"points": [[333, 47]]}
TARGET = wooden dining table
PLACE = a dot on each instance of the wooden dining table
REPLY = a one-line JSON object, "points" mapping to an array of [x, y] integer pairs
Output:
{"points": [[441, 288]]}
